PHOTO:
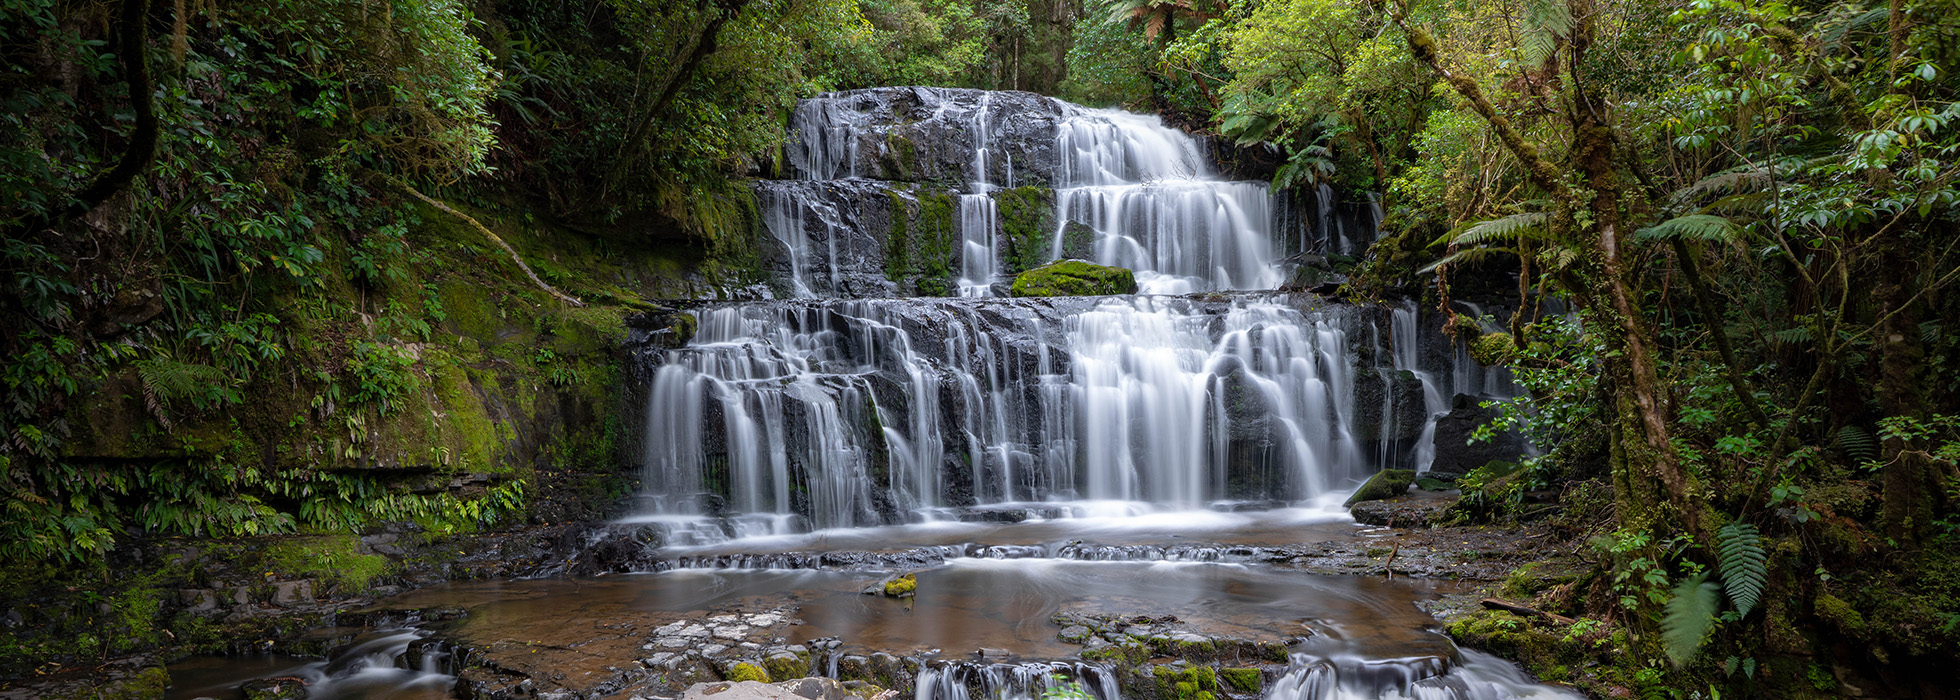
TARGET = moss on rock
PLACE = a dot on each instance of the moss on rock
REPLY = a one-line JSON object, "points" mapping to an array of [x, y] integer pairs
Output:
{"points": [[1388, 483], [1242, 680], [1074, 278], [902, 587], [746, 671]]}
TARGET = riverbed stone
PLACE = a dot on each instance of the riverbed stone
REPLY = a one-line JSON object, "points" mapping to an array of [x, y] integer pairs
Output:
{"points": [[1075, 634]]}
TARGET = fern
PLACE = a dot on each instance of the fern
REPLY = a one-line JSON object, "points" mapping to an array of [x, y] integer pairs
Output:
{"points": [[1689, 615], [1545, 23], [1744, 564], [1706, 227], [1791, 336], [1504, 229], [1470, 255], [1857, 443]]}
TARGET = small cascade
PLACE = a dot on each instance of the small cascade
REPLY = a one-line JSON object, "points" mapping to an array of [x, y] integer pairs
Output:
{"points": [[1468, 377], [1024, 681], [1407, 358], [1147, 192], [979, 222], [1127, 191], [1479, 676]]}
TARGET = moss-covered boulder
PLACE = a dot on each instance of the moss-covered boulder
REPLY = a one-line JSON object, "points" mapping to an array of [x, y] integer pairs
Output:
{"points": [[902, 587], [1388, 483], [1074, 278]]}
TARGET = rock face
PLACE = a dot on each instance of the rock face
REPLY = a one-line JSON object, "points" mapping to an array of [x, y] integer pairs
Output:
{"points": [[1454, 452], [919, 134], [1074, 278]]}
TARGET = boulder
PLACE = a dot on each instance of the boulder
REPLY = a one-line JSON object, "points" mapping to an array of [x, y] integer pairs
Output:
{"points": [[1065, 278], [1454, 452], [1388, 483]]}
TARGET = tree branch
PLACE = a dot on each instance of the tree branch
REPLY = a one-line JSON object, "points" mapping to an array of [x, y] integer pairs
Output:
{"points": [[487, 233]]}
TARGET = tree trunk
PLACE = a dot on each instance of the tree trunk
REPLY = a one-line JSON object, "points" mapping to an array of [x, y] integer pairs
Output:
{"points": [[1910, 481], [700, 45], [133, 50]]}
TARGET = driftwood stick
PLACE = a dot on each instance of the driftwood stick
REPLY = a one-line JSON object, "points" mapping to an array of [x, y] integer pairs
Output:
{"points": [[1525, 610]]}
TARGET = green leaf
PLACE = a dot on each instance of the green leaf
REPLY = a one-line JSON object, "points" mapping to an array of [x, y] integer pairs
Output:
{"points": [[1688, 617]]}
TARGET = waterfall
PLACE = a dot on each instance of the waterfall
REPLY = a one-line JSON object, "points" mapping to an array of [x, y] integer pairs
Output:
{"points": [[847, 413], [845, 408]]}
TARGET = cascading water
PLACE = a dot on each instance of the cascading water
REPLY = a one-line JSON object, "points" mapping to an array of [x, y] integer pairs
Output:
{"points": [[1144, 193], [824, 414], [790, 416]]}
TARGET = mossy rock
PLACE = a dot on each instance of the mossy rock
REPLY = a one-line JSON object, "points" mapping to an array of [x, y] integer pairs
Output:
{"points": [[1242, 680], [1388, 483], [1068, 278], [786, 665], [1492, 349], [902, 587], [746, 671]]}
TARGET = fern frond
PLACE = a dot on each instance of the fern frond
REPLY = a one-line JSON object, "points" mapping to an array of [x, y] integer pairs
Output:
{"points": [[1558, 258], [1738, 180], [1744, 203], [1501, 229], [1706, 227], [1857, 443], [1468, 255], [1688, 617], [1545, 23], [1791, 336], [1745, 566]]}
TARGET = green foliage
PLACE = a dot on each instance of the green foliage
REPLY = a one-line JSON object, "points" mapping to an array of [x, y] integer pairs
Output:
{"points": [[381, 375], [1689, 616], [1744, 565]]}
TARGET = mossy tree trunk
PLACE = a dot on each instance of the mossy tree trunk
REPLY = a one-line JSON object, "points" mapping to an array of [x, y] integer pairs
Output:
{"points": [[1653, 490]]}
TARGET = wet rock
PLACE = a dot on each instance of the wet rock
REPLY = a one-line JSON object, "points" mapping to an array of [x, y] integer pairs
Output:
{"points": [[992, 654], [1388, 483], [1455, 454], [1416, 509], [287, 594], [783, 664], [1076, 634]]}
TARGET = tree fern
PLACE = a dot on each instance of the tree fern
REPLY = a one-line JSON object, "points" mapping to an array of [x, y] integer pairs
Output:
{"points": [[1544, 24], [1688, 617], [1744, 564], [1706, 227]]}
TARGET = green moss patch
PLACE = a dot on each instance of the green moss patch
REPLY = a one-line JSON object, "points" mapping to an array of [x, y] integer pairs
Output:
{"points": [[1074, 278], [1386, 484]]}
